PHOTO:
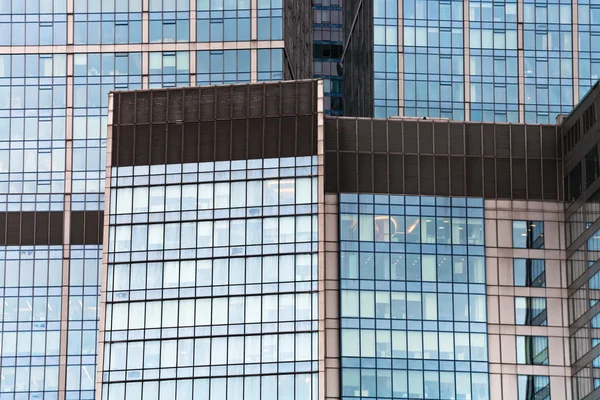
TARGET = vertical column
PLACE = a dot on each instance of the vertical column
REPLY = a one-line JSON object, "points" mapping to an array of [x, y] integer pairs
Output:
{"points": [[467, 60], [575, 38], [520, 55], [103, 274], [64, 320], [400, 57]]}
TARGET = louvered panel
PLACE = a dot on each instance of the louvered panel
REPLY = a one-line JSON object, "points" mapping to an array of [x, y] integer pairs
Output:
{"points": [[238, 139], [190, 142], [306, 139], [272, 101], [426, 138], [534, 145], [125, 149], [503, 189], [142, 108], [175, 109], [347, 134], [223, 141], [289, 99], [489, 178], [288, 136], [456, 138], [127, 106], [207, 104], [457, 176], [380, 173], [394, 136], [255, 138], [442, 176], [239, 102], [142, 145], [411, 174], [551, 189], [191, 103], [159, 106], [517, 140], [256, 101], [271, 144], [549, 142], [348, 173], [174, 150], [365, 173], [474, 180], [534, 179], [207, 141], [519, 180], [473, 139], [379, 134], [223, 102], [331, 133], [488, 140], [396, 171], [502, 140], [409, 131], [426, 175], [306, 98], [158, 144], [364, 135], [116, 109], [441, 137], [331, 172]]}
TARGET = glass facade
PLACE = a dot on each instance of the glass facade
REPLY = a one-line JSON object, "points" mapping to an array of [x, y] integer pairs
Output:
{"points": [[413, 298], [53, 115], [211, 285]]}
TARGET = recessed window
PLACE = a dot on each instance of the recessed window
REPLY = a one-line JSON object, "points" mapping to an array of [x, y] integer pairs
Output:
{"points": [[529, 272], [532, 350], [530, 311], [528, 234], [534, 387]]}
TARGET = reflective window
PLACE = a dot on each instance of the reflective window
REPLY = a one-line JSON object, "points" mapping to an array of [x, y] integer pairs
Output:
{"points": [[528, 234], [532, 350], [530, 311], [226, 21], [529, 272], [223, 66], [532, 387]]}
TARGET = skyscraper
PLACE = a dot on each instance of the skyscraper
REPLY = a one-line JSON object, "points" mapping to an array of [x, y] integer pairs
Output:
{"points": [[509, 61], [59, 59], [261, 250]]}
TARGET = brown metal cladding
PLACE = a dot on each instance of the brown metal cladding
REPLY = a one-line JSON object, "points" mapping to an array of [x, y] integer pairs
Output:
{"points": [[442, 158], [217, 123]]}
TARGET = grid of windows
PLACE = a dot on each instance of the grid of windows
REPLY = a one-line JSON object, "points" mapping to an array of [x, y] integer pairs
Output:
{"points": [[107, 22], [225, 21], [30, 280], [33, 22], [493, 56], [223, 66], [385, 60], [548, 58], [212, 279], [433, 59], [413, 304], [588, 15], [169, 21]]}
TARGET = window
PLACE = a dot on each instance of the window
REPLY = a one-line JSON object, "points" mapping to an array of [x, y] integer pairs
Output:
{"points": [[529, 272], [532, 350], [528, 234], [534, 387], [530, 311]]}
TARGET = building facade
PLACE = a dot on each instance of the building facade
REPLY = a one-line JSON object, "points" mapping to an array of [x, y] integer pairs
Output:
{"points": [[59, 59], [262, 250], [510, 61]]}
